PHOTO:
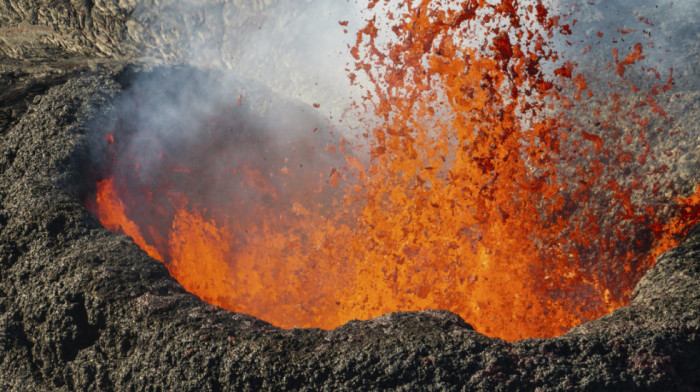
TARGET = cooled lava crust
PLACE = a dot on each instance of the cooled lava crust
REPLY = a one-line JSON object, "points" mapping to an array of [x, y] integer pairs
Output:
{"points": [[83, 308]]}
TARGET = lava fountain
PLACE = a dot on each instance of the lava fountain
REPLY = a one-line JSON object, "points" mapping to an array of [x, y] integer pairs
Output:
{"points": [[493, 175]]}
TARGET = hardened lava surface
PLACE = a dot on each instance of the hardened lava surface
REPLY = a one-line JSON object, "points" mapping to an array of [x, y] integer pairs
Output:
{"points": [[82, 308]]}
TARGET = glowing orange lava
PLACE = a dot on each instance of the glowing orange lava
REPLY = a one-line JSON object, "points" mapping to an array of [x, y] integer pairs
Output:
{"points": [[483, 193]]}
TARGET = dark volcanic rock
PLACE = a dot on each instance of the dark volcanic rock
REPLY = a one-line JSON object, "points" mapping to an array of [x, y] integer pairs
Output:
{"points": [[82, 308]]}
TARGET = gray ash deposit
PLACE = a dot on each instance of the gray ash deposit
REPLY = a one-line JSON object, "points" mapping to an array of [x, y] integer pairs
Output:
{"points": [[83, 308]]}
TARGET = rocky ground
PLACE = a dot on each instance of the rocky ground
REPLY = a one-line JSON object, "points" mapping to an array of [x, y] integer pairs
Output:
{"points": [[82, 308]]}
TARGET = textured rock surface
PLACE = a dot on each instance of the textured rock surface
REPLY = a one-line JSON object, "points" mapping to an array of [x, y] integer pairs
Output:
{"points": [[82, 308]]}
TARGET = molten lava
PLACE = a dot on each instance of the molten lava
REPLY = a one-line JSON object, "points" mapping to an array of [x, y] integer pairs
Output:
{"points": [[477, 187]]}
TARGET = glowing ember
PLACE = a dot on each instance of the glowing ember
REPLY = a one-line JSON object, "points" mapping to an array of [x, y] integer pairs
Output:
{"points": [[484, 192]]}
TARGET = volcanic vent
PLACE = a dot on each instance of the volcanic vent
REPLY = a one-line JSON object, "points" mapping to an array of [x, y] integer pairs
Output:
{"points": [[494, 177], [84, 308], [246, 217]]}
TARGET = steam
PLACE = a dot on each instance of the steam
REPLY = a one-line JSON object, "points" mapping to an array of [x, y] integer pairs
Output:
{"points": [[260, 82], [665, 28], [297, 49], [287, 61]]}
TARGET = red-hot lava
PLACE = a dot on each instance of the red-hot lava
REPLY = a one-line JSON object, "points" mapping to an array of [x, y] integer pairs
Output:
{"points": [[481, 189]]}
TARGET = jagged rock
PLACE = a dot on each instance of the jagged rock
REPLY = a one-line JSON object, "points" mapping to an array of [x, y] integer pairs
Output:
{"points": [[82, 308]]}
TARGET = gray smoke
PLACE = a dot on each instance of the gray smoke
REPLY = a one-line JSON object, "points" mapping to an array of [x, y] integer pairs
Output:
{"points": [[232, 82]]}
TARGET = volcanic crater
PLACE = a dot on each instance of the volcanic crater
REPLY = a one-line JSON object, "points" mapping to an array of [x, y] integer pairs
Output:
{"points": [[84, 308]]}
